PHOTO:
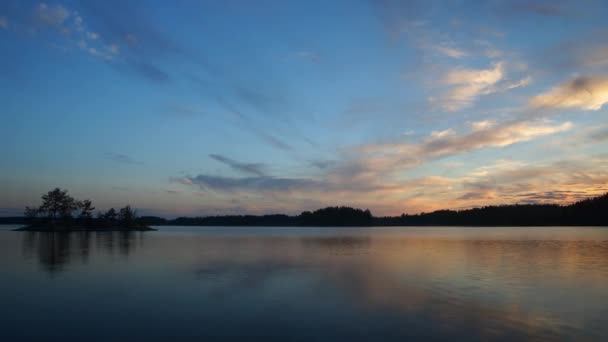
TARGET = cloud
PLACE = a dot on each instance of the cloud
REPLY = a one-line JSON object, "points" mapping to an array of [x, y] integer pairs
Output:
{"points": [[451, 51], [442, 134], [121, 158], [73, 30], [467, 85], [398, 16], [323, 164], [256, 169], [3, 22], [261, 184], [496, 136], [588, 54], [54, 15], [92, 35], [183, 111], [149, 71], [253, 126], [274, 141], [558, 182], [505, 181], [447, 143], [481, 125], [600, 134], [582, 92], [552, 8], [124, 38], [517, 84]]}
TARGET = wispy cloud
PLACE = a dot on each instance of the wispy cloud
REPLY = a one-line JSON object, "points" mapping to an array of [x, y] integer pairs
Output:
{"points": [[447, 143], [582, 92], [466, 85], [451, 51], [599, 134], [553, 8], [250, 125], [122, 38], [261, 184], [256, 169], [523, 183], [121, 158], [53, 15], [149, 71], [183, 111], [73, 29]]}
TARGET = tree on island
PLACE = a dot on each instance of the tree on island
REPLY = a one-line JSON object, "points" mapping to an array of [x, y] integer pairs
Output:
{"points": [[58, 208], [86, 209], [127, 216], [110, 215]]}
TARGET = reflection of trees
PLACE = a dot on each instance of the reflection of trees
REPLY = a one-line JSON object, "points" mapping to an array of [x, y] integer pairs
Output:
{"points": [[123, 241], [55, 250], [52, 249]]}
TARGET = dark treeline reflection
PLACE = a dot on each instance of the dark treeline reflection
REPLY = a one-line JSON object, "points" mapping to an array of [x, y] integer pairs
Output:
{"points": [[303, 284], [55, 250]]}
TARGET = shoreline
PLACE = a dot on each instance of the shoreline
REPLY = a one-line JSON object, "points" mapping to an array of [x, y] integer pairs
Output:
{"points": [[81, 229]]}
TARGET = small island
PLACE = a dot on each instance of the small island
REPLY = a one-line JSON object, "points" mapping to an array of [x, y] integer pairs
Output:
{"points": [[60, 212]]}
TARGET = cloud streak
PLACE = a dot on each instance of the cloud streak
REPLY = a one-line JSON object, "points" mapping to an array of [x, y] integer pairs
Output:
{"points": [[256, 169], [261, 184], [447, 143], [121, 158]]}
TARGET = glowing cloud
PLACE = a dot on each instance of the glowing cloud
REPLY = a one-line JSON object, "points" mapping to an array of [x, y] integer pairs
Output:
{"points": [[586, 93], [468, 84]]}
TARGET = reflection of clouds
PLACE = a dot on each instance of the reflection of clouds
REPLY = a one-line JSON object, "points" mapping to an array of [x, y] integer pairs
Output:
{"points": [[488, 288], [422, 283]]}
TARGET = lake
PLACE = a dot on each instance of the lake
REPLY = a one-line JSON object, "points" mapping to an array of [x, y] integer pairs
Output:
{"points": [[306, 284]]}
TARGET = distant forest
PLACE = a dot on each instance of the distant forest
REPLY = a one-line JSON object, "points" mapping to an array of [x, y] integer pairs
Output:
{"points": [[589, 212]]}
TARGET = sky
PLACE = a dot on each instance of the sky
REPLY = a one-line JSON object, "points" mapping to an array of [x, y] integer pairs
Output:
{"points": [[191, 108]]}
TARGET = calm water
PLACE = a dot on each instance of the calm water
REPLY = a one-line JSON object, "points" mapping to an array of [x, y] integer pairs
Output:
{"points": [[306, 284]]}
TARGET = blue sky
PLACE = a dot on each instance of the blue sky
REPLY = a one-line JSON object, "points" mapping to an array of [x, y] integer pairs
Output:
{"points": [[197, 108]]}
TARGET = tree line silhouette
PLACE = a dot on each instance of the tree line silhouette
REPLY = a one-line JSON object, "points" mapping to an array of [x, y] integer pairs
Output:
{"points": [[60, 211], [589, 212], [57, 208]]}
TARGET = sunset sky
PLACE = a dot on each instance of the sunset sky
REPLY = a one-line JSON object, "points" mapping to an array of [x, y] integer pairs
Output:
{"points": [[221, 107]]}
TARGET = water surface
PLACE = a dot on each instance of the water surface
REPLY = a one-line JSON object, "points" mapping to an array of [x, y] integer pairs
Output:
{"points": [[303, 284]]}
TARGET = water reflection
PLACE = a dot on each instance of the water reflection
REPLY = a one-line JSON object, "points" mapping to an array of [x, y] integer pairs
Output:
{"points": [[429, 287], [55, 250], [336, 285]]}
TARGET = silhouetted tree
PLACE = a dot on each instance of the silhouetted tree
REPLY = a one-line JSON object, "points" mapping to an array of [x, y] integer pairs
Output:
{"points": [[31, 214], [57, 208], [127, 216], [58, 204], [110, 214], [86, 209]]}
